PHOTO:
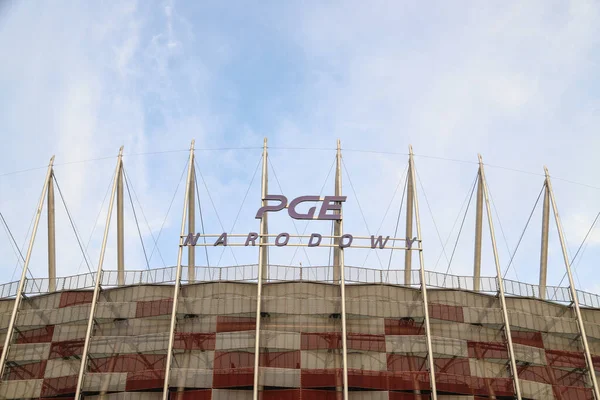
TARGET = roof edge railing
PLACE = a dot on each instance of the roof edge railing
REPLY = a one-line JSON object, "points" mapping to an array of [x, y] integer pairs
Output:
{"points": [[287, 273]]}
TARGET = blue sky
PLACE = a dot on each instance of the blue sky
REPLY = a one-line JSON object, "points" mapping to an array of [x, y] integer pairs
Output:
{"points": [[515, 82]]}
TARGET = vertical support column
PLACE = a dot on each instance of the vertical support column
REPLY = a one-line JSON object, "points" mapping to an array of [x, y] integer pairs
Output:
{"points": [[90, 324], [338, 188], [51, 236], [263, 269], [165, 395], [413, 195], [337, 224], [192, 225], [264, 226], [511, 352], [478, 231], [572, 289], [20, 288], [120, 227], [410, 195], [544, 250]]}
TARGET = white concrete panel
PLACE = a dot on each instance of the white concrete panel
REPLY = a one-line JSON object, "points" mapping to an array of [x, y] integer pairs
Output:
{"points": [[137, 293], [110, 382], [235, 340], [405, 344], [321, 359], [191, 378], [365, 325], [367, 360], [487, 369], [129, 344], [29, 352], [194, 359], [274, 340], [58, 367], [536, 390], [65, 332], [21, 389], [529, 354], [282, 377], [116, 310], [486, 316]]}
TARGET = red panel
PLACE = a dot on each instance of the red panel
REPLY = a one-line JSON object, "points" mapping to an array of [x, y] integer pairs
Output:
{"points": [[573, 378], [407, 396], [399, 362], [234, 324], [233, 359], [400, 380], [40, 335], [456, 366], [572, 393], [489, 350], [280, 359], [194, 341], [528, 338], [460, 384], [68, 348], [311, 394], [68, 299], [326, 340], [128, 363], [291, 394], [571, 359], [446, 312], [145, 380], [239, 377], [365, 342], [33, 370], [313, 378], [499, 387], [553, 376], [57, 386], [154, 308], [403, 326], [536, 373], [367, 379], [202, 394]]}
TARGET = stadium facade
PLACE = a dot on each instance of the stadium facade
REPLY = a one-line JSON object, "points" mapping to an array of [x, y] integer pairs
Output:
{"points": [[266, 331]]}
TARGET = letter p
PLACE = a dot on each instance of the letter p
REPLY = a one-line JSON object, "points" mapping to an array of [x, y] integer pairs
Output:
{"points": [[282, 203]]}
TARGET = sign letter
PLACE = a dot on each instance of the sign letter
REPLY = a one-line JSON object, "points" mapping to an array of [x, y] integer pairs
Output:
{"points": [[221, 240], [332, 203], [282, 203], [284, 235], [409, 242], [191, 240], [252, 236], [379, 242], [316, 236], [346, 236], [311, 211]]}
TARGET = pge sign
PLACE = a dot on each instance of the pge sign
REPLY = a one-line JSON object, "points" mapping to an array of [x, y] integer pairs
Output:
{"points": [[329, 206]]}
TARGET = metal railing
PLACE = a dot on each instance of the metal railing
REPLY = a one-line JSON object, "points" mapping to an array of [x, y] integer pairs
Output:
{"points": [[286, 273]]}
